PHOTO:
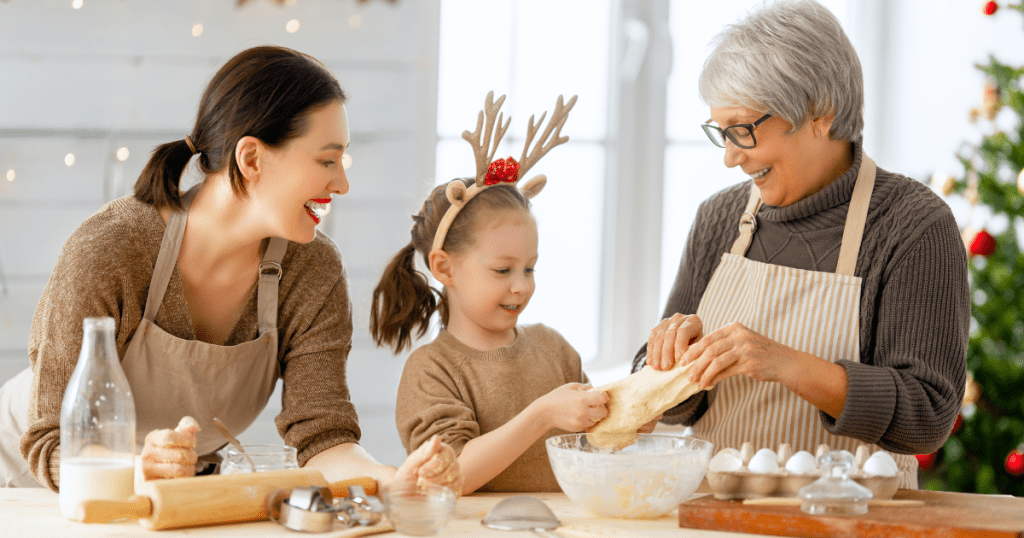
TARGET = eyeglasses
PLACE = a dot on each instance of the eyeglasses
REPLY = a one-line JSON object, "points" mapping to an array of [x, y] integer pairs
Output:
{"points": [[741, 134]]}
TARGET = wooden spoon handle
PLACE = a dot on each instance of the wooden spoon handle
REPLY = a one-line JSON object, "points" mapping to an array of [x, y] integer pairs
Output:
{"points": [[105, 511]]}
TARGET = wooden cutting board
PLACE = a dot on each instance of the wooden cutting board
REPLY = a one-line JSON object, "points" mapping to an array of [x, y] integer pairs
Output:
{"points": [[943, 514]]}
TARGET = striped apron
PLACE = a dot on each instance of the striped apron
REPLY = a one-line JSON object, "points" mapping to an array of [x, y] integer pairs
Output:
{"points": [[811, 311]]}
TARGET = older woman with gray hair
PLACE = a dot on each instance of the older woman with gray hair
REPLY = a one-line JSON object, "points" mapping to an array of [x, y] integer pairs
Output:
{"points": [[825, 301]]}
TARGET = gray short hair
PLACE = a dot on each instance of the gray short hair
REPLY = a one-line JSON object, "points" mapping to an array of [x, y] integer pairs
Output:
{"points": [[791, 59]]}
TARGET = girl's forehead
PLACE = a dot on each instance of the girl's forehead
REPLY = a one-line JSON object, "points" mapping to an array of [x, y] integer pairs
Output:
{"points": [[512, 234]]}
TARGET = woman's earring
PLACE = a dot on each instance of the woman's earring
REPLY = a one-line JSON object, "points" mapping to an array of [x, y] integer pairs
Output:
{"points": [[819, 135]]}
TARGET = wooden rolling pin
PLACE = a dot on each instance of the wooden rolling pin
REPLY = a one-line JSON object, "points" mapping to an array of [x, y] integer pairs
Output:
{"points": [[209, 500]]}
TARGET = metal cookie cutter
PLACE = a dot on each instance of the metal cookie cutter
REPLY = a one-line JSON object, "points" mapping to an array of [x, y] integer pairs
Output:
{"points": [[314, 509]]}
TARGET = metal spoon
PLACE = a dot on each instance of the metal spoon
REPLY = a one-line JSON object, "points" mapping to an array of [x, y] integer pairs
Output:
{"points": [[522, 513], [234, 442]]}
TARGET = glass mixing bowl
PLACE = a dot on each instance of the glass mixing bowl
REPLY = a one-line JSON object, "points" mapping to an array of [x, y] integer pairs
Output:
{"points": [[647, 479]]}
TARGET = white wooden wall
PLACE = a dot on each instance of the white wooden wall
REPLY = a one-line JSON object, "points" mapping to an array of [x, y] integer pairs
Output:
{"points": [[129, 74]]}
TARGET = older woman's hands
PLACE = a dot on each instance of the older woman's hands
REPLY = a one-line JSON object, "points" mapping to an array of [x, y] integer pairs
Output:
{"points": [[671, 338], [433, 462], [171, 453], [735, 349]]}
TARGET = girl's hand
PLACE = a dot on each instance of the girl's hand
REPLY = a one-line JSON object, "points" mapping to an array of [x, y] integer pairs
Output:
{"points": [[171, 453], [670, 338], [573, 407], [433, 462], [735, 349]]}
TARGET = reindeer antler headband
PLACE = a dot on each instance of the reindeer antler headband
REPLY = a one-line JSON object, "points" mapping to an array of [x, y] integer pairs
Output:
{"points": [[490, 172]]}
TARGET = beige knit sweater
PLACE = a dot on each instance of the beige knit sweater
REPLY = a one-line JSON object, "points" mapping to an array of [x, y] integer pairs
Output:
{"points": [[104, 269], [461, 393]]}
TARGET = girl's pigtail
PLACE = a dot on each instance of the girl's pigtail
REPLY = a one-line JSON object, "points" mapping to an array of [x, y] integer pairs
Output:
{"points": [[158, 183], [402, 302]]}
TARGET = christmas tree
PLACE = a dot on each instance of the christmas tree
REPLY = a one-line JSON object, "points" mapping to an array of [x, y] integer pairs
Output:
{"points": [[985, 452]]}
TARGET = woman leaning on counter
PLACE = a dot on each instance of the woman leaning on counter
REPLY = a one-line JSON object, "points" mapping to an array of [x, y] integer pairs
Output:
{"points": [[209, 315], [826, 300]]}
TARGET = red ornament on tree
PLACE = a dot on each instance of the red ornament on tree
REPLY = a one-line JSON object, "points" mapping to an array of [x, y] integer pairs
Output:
{"points": [[959, 423], [983, 244], [1015, 463], [925, 461], [990, 8]]}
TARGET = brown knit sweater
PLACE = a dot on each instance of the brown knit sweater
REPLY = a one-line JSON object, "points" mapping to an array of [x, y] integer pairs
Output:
{"points": [[461, 393], [915, 309], [104, 269]]}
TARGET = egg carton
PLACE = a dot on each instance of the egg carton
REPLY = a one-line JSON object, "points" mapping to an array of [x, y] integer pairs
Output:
{"points": [[767, 473]]}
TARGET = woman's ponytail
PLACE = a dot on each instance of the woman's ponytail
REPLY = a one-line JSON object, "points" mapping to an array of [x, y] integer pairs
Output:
{"points": [[403, 302], [158, 183]]}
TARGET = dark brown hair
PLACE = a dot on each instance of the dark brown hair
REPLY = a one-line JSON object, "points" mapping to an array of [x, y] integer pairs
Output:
{"points": [[266, 92], [403, 301]]}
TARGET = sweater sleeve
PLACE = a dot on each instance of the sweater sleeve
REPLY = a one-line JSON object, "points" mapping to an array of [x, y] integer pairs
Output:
{"points": [[316, 412], [86, 282], [908, 397], [430, 403]]}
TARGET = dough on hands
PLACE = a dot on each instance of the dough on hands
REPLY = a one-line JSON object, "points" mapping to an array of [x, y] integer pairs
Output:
{"points": [[636, 400], [188, 424]]}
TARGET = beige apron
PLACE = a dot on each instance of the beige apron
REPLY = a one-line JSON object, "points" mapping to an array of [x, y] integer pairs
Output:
{"points": [[812, 311], [171, 377]]}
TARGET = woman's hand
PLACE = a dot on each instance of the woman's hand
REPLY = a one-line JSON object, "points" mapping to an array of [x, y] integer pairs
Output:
{"points": [[171, 453], [735, 349], [573, 407], [671, 338], [433, 462]]}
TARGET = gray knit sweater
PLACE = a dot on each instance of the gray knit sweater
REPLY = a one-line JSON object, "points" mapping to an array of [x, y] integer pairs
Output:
{"points": [[915, 308]]}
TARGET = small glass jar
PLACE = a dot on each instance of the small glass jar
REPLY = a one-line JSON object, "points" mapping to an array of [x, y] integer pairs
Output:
{"points": [[264, 457], [417, 509]]}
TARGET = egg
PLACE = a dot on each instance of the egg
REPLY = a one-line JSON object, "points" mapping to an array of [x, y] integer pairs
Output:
{"points": [[725, 462], [764, 461], [802, 463], [881, 464]]}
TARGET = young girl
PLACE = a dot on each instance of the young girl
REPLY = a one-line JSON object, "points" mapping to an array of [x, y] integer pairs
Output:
{"points": [[491, 389]]}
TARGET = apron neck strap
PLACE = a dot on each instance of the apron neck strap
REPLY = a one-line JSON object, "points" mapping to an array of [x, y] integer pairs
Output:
{"points": [[270, 279], [856, 217], [748, 222], [170, 245]]}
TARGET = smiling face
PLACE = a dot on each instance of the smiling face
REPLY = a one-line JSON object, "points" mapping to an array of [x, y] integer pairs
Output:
{"points": [[298, 179], [492, 282], [785, 167]]}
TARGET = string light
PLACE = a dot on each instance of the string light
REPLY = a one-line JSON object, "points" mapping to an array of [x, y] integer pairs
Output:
{"points": [[355, 21], [76, 4], [292, 26], [346, 161], [69, 159], [197, 29], [10, 174], [122, 154]]}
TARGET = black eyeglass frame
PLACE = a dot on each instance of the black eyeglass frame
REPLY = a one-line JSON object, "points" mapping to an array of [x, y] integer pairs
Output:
{"points": [[726, 133]]}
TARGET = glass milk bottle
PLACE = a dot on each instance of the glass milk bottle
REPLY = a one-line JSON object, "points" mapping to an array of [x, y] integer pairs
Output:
{"points": [[97, 423]]}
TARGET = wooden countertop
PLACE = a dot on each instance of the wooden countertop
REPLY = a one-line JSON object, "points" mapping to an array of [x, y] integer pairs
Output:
{"points": [[34, 512]]}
